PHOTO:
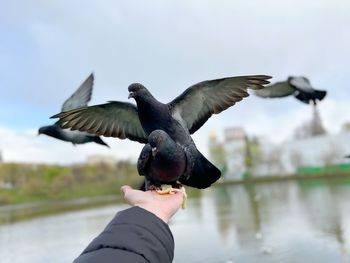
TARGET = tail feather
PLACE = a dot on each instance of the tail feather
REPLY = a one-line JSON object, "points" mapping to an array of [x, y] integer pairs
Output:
{"points": [[320, 94], [98, 140], [204, 174], [306, 97]]}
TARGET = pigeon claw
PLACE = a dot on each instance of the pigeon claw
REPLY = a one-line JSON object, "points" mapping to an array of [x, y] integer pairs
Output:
{"points": [[168, 189]]}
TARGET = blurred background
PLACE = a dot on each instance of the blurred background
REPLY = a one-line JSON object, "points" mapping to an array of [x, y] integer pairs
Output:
{"points": [[285, 186]]}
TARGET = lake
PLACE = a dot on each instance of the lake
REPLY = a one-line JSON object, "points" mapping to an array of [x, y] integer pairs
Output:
{"points": [[274, 222]]}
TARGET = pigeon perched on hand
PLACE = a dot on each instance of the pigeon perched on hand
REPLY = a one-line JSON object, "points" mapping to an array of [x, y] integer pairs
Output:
{"points": [[179, 118], [79, 99], [162, 161], [299, 87]]}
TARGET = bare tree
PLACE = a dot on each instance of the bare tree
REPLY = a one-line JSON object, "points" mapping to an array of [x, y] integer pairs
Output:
{"points": [[274, 161], [217, 153], [346, 127]]}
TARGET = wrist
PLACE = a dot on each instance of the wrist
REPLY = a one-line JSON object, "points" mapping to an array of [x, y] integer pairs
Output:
{"points": [[156, 211]]}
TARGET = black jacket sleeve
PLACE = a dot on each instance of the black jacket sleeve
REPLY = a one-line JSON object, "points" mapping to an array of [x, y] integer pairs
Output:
{"points": [[134, 235]]}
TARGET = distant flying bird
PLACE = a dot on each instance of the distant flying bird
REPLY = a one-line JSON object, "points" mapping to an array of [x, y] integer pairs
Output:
{"points": [[179, 118], [299, 87], [162, 160], [79, 99]]}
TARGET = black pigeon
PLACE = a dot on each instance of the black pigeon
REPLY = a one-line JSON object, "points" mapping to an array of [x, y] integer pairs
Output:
{"points": [[79, 99], [162, 161], [299, 87], [179, 118]]}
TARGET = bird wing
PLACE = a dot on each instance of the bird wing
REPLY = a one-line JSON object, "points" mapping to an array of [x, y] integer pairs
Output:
{"points": [[196, 104], [277, 90], [81, 96], [144, 159], [302, 84], [113, 119]]}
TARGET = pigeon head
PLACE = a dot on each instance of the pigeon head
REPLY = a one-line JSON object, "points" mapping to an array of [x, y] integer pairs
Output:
{"points": [[48, 130], [44, 130], [156, 139], [137, 90]]}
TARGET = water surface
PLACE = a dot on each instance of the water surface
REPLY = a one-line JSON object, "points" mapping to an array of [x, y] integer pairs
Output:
{"points": [[275, 222]]}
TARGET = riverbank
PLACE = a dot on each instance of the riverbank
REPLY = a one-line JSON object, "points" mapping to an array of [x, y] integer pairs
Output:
{"points": [[278, 178], [25, 211]]}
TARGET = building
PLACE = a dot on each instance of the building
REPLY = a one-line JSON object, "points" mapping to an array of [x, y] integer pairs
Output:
{"points": [[260, 157], [319, 151], [234, 144]]}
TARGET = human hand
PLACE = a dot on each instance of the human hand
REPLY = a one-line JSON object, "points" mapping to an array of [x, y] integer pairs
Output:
{"points": [[163, 206]]}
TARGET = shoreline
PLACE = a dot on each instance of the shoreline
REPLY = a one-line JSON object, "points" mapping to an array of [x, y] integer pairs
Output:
{"points": [[25, 211], [278, 178]]}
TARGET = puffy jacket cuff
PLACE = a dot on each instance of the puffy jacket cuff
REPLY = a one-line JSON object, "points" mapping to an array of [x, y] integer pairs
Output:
{"points": [[139, 231]]}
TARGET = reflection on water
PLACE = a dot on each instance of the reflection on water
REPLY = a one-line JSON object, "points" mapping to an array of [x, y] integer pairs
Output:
{"points": [[277, 222]]}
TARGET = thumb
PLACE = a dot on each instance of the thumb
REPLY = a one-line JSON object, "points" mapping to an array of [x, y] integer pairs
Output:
{"points": [[125, 188]]}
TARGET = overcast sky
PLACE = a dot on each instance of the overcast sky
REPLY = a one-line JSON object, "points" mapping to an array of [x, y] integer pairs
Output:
{"points": [[48, 48]]}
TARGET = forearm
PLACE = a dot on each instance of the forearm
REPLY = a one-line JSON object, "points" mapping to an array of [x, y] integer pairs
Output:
{"points": [[133, 234]]}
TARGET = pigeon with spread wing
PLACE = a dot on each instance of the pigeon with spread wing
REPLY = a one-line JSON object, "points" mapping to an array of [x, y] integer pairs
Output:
{"points": [[78, 99], [179, 118], [299, 87]]}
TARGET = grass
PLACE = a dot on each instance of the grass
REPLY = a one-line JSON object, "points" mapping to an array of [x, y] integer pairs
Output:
{"points": [[33, 183]]}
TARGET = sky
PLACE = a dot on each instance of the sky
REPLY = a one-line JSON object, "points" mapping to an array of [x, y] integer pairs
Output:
{"points": [[48, 48]]}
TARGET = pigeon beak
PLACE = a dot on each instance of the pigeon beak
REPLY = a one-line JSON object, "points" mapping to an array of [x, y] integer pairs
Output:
{"points": [[154, 151], [131, 95]]}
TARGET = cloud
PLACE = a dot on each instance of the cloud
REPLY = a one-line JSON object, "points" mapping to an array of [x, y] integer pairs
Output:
{"points": [[49, 47], [167, 45]]}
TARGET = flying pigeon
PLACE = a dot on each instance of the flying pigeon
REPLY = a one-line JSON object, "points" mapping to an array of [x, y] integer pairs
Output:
{"points": [[162, 161], [179, 118], [299, 87], [79, 99]]}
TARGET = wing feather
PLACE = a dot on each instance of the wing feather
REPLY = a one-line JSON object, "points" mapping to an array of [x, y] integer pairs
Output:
{"points": [[113, 119], [277, 90], [81, 96], [195, 106]]}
